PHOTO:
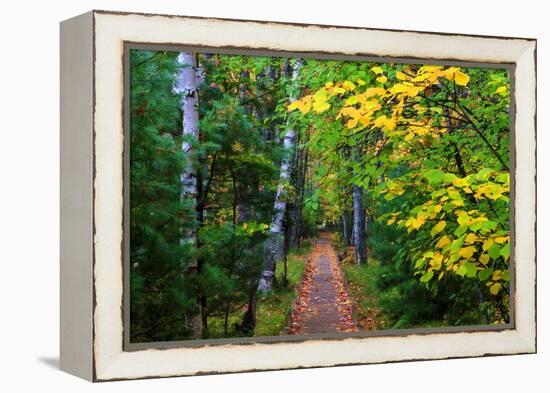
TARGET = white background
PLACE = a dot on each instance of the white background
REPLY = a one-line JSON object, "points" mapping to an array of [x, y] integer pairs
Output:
{"points": [[29, 197]]}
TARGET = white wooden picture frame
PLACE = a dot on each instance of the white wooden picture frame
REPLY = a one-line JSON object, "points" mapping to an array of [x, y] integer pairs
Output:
{"points": [[92, 195]]}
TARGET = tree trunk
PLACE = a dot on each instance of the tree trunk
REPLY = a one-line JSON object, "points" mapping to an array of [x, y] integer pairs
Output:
{"points": [[249, 319], [346, 229], [274, 243], [186, 85], [359, 238], [300, 169]]}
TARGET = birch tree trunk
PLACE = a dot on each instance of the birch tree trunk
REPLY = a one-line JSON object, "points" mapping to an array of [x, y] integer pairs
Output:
{"points": [[274, 243], [186, 85]]}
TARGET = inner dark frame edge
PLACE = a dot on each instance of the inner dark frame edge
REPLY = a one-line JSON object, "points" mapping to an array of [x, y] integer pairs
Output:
{"points": [[129, 346]]}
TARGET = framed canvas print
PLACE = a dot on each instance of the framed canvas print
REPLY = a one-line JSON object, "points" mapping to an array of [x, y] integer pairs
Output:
{"points": [[245, 195]]}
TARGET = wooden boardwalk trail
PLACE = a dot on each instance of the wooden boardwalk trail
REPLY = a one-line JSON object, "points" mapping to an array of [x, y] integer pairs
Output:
{"points": [[323, 304]]}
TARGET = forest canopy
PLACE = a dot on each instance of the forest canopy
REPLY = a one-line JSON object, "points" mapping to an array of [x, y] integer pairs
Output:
{"points": [[252, 178]]}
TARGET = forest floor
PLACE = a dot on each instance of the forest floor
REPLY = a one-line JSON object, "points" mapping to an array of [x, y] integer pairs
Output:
{"points": [[323, 304], [273, 308], [364, 293]]}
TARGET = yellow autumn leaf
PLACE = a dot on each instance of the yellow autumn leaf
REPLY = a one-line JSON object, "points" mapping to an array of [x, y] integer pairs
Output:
{"points": [[377, 70], [351, 100], [460, 182], [401, 76], [382, 79], [421, 131], [414, 223], [467, 252], [390, 125], [321, 95], [501, 239], [321, 106], [365, 120], [349, 85], [470, 238], [495, 288], [436, 261], [295, 105], [438, 228], [351, 123], [399, 88], [371, 105], [360, 82], [374, 91], [461, 78], [351, 112], [449, 73], [413, 91], [501, 90], [458, 203], [429, 68], [421, 77], [484, 259], [380, 121], [419, 222], [487, 244]]}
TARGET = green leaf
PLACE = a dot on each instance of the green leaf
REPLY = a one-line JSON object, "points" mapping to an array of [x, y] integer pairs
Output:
{"points": [[484, 173], [484, 274], [490, 225], [456, 244], [460, 230], [467, 269], [505, 250], [476, 226], [494, 251], [449, 177], [435, 176], [427, 277]]}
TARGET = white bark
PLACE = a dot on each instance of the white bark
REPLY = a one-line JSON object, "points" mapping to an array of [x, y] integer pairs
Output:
{"points": [[186, 84], [275, 241]]}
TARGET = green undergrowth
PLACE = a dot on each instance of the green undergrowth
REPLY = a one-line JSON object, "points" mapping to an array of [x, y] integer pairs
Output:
{"points": [[365, 294], [373, 306], [274, 308]]}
